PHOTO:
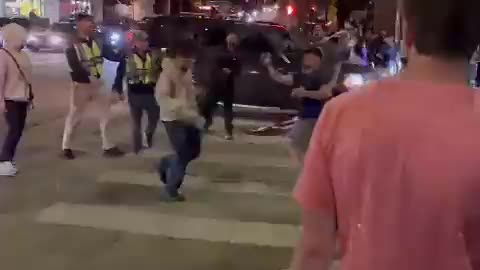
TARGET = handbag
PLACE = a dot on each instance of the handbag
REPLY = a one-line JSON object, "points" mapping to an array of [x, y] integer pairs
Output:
{"points": [[29, 85]]}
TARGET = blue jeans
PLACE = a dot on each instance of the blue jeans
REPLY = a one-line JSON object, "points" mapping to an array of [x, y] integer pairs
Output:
{"points": [[186, 143]]}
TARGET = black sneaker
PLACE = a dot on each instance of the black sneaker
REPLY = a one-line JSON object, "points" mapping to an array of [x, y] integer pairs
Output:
{"points": [[149, 140], [113, 152], [163, 175], [68, 154]]}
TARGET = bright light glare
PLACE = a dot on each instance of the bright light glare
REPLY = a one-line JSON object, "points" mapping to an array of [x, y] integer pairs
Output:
{"points": [[353, 81], [290, 10], [114, 37], [56, 40], [255, 13], [32, 38]]}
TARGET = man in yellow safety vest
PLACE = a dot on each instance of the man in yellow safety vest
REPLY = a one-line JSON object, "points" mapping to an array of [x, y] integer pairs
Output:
{"points": [[140, 70], [85, 59]]}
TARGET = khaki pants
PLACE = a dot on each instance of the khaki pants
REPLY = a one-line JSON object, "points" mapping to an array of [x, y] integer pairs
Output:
{"points": [[82, 95]]}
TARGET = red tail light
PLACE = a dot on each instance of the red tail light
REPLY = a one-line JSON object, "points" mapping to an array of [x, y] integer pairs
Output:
{"points": [[130, 36]]}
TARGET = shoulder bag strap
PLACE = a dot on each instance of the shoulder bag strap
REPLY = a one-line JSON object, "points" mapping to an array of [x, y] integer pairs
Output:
{"points": [[30, 93]]}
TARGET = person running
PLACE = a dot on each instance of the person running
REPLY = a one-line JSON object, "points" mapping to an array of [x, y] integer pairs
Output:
{"points": [[308, 88], [140, 70], [85, 58], [393, 169], [15, 92], [179, 114]]}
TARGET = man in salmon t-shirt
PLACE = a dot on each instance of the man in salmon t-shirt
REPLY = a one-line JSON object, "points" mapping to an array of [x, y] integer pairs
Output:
{"points": [[393, 170]]}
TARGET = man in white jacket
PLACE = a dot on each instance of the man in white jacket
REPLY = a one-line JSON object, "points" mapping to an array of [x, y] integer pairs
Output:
{"points": [[15, 92], [179, 114]]}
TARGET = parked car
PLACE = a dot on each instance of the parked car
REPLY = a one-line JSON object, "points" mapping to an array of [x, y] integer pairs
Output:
{"points": [[254, 87], [54, 38]]}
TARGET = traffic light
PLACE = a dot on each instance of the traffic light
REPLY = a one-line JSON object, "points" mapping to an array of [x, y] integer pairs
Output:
{"points": [[290, 10]]}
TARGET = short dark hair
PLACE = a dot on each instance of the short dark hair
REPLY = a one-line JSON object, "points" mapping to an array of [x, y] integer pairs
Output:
{"points": [[314, 51], [444, 28], [83, 17]]}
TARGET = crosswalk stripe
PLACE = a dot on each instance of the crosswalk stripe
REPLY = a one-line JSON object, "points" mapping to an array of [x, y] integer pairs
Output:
{"points": [[247, 139], [141, 221], [237, 159], [191, 182]]}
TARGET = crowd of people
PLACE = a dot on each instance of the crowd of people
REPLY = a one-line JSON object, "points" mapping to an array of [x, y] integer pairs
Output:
{"points": [[160, 88], [389, 172]]}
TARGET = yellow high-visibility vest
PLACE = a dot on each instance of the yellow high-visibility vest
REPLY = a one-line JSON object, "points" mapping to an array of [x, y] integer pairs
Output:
{"points": [[91, 58], [138, 70]]}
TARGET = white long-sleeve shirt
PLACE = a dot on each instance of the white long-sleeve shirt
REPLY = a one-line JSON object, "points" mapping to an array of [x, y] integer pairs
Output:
{"points": [[175, 95]]}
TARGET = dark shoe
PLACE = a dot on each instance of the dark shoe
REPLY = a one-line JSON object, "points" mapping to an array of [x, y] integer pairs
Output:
{"points": [[163, 175], [68, 154], [148, 140], [113, 152], [167, 197]]}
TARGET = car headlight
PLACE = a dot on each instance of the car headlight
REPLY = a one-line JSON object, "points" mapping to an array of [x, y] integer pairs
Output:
{"points": [[31, 38], [56, 40]]}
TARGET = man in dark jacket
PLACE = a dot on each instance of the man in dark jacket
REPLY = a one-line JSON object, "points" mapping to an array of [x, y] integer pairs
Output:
{"points": [[222, 67], [85, 57], [223, 89]]}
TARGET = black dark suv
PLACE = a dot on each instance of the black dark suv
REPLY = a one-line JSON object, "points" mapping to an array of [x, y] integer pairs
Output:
{"points": [[253, 86]]}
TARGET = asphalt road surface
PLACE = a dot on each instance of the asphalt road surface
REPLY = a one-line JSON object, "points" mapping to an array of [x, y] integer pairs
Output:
{"points": [[94, 213]]}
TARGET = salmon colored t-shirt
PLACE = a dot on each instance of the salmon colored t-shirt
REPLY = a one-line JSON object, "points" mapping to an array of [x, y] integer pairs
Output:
{"points": [[398, 166]]}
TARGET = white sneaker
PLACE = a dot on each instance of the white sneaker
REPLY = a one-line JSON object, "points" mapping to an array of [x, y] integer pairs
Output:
{"points": [[7, 169], [145, 140]]}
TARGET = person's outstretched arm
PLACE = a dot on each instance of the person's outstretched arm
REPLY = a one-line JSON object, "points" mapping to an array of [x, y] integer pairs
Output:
{"points": [[285, 79], [325, 92]]}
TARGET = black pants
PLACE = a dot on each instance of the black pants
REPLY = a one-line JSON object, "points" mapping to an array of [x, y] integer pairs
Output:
{"points": [[140, 103], [186, 142], [15, 117], [210, 105]]}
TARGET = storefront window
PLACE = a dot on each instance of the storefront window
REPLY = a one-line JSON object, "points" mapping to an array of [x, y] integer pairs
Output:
{"points": [[32, 7]]}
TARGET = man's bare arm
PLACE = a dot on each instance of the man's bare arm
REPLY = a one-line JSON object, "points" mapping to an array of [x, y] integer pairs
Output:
{"points": [[286, 79], [316, 248], [326, 91]]}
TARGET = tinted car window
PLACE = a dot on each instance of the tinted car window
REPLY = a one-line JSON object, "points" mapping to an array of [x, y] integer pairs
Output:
{"points": [[63, 27]]}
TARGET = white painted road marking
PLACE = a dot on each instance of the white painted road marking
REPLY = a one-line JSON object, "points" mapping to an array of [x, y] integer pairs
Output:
{"points": [[237, 159], [140, 221], [191, 182]]}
